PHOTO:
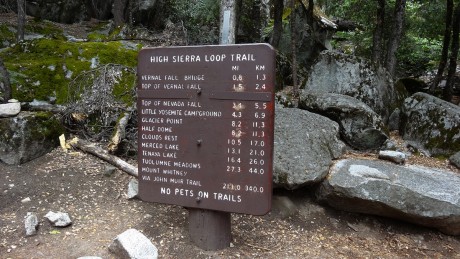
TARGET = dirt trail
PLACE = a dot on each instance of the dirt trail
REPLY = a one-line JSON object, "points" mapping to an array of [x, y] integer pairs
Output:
{"points": [[75, 183]]}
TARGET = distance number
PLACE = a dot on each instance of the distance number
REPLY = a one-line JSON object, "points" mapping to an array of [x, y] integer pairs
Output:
{"points": [[256, 161], [231, 187], [253, 188], [257, 143], [234, 142], [259, 115], [255, 170], [255, 152], [233, 169], [260, 106], [232, 159]]}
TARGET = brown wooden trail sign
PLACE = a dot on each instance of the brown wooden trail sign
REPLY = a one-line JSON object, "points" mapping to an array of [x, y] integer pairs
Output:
{"points": [[206, 116]]}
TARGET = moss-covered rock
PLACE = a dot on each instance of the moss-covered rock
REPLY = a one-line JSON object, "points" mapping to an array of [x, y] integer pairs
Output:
{"points": [[28, 136], [42, 69], [431, 124]]}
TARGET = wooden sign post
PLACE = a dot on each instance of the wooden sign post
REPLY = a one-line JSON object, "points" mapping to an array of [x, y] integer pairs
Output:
{"points": [[206, 116]]}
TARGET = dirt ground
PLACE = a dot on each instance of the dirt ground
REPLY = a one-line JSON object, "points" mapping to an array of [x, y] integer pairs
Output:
{"points": [[75, 183]]}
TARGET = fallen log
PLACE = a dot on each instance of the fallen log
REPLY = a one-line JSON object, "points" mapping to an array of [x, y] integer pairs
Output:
{"points": [[39, 106], [91, 148], [119, 133]]}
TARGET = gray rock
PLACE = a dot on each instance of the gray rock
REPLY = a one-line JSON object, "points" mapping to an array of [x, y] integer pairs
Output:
{"points": [[28, 136], [31, 224], [393, 156], [109, 170], [389, 145], [360, 126], [348, 75], [89, 257], [455, 159], [9, 109], [305, 145], [283, 206], [394, 120], [133, 189], [58, 219], [431, 125], [133, 244], [425, 196]]}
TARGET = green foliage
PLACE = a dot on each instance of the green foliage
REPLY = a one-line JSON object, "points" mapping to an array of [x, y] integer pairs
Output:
{"points": [[42, 69], [422, 40], [417, 54], [199, 17]]}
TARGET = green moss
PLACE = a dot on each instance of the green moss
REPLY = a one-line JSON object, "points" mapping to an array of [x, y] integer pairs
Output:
{"points": [[43, 68], [6, 36], [45, 28], [123, 90], [283, 179], [46, 126], [96, 36]]}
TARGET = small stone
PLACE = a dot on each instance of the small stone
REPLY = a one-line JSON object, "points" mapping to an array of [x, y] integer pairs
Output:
{"points": [[10, 109], [58, 219], [26, 200], [455, 159], [389, 145], [109, 170], [13, 101], [11, 185], [393, 156], [133, 189], [31, 224]]}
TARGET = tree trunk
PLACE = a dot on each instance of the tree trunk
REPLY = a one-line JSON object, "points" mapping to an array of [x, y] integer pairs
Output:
{"points": [[445, 45], [118, 9], [395, 37], [5, 86], [293, 47], [447, 94], [265, 14], [21, 19], [277, 23], [227, 22], [377, 46]]}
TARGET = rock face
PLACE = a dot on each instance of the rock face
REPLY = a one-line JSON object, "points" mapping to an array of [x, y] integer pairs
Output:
{"points": [[360, 126], [420, 195], [305, 145], [133, 244], [347, 75], [431, 124], [28, 136]]}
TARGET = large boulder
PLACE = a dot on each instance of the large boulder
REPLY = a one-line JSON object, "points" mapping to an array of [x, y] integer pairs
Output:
{"points": [[343, 74], [425, 196], [360, 126], [305, 145], [431, 124], [28, 136]]}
